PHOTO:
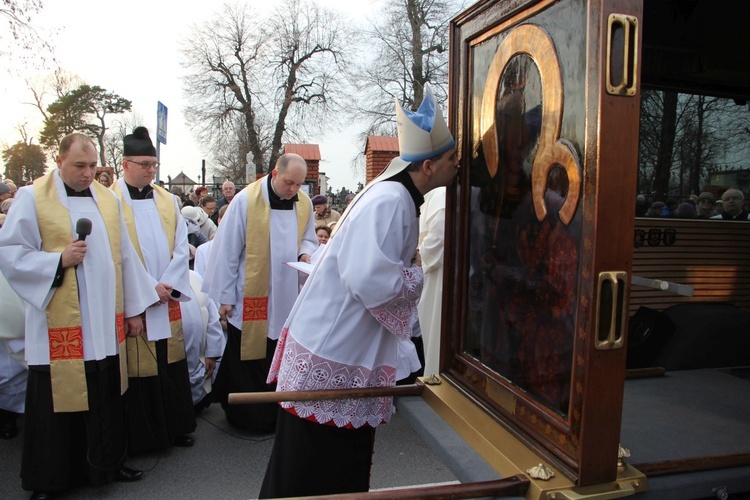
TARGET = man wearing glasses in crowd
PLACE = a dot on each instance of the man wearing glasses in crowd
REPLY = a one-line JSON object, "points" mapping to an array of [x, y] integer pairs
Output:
{"points": [[733, 206], [159, 399]]}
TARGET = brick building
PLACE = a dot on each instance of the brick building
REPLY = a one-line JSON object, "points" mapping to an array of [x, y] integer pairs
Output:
{"points": [[379, 151]]}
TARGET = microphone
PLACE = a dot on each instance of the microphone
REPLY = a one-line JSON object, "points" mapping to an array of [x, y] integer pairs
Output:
{"points": [[83, 228]]}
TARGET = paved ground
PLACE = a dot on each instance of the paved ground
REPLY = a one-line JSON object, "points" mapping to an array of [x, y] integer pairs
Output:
{"points": [[226, 463]]}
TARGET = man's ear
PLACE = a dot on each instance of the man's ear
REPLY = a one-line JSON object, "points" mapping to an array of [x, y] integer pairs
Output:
{"points": [[273, 173]]}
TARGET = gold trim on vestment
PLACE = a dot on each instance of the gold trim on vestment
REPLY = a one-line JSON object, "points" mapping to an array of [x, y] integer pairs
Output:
{"points": [[64, 327], [142, 352], [257, 261]]}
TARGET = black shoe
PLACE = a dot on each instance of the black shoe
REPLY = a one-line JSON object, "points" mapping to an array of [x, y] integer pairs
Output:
{"points": [[8, 430], [183, 441], [8, 427], [41, 495], [128, 475]]}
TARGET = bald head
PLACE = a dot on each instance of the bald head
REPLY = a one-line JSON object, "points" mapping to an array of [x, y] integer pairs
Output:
{"points": [[288, 175], [70, 139], [732, 202]]}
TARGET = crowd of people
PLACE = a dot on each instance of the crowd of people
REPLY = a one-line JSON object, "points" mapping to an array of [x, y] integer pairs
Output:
{"points": [[128, 310], [729, 205]]}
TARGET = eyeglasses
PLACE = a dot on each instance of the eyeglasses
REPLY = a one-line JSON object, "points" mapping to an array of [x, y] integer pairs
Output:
{"points": [[145, 165]]}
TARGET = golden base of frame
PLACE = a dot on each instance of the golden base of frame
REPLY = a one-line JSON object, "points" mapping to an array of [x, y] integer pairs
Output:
{"points": [[509, 456]]}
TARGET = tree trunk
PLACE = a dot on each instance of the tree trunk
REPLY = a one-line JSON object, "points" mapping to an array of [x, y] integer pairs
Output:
{"points": [[697, 163], [666, 143]]}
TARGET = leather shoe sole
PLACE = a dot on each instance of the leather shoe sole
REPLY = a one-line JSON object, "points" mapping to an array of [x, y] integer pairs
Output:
{"points": [[127, 475]]}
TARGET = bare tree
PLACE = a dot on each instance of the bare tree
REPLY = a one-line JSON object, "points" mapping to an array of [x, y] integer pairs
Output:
{"points": [[409, 48], [114, 138], [20, 34], [231, 154], [278, 74], [683, 137]]}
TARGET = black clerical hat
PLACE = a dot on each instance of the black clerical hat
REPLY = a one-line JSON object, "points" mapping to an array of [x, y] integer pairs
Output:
{"points": [[138, 143]]}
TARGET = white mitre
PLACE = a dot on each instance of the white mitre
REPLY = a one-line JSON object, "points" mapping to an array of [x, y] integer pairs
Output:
{"points": [[422, 134]]}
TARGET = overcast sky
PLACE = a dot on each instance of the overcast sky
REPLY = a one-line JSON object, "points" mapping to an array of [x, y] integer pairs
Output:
{"points": [[132, 49]]}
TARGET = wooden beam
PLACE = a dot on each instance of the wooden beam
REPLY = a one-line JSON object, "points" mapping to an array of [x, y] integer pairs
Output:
{"points": [[510, 486], [364, 392], [681, 466]]}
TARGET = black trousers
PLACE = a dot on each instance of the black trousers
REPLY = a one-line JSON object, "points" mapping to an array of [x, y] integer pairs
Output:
{"points": [[309, 458], [63, 450], [235, 375], [160, 408]]}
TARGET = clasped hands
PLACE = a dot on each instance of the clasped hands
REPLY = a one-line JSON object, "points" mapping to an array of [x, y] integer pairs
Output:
{"points": [[134, 325]]}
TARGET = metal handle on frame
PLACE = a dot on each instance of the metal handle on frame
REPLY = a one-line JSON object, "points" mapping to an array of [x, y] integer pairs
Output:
{"points": [[622, 54], [611, 315]]}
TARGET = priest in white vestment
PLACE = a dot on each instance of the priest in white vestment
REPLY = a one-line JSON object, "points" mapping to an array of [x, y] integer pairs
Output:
{"points": [[160, 410], [268, 223], [431, 243], [81, 297], [354, 317]]}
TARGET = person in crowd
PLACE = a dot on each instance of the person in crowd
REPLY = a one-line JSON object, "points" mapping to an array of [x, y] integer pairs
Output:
{"points": [[349, 198], [159, 403], [353, 319], [268, 223], [5, 205], [685, 210], [431, 242], [200, 193], [228, 189], [84, 293], [324, 214], [5, 193], [208, 227], [12, 186], [204, 342], [656, 209], [718, 210], [192, 216], [641, 206], [705, 205], [323, 233], [195, 237], [733, 206], [191, 200], [105, 179]]}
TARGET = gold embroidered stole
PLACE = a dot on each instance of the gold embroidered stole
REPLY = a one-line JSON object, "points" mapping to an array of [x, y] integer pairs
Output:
{"points": [[67, 369], [141, 351], [257, 259]]}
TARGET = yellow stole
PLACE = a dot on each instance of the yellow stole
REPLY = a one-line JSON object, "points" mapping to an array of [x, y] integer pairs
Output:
{"points": [[67, 370], [257, 258], [142, 352]]}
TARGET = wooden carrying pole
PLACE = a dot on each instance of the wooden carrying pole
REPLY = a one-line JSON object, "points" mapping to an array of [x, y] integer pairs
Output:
{"points": [[509, 486], [243, 398]]}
